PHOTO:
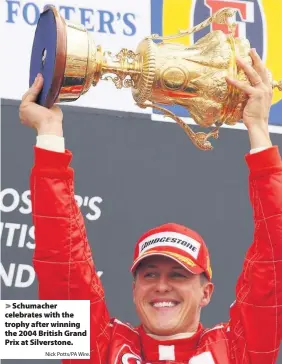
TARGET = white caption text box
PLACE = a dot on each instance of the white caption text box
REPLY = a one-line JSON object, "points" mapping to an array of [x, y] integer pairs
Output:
{"points": [[50, 329]]}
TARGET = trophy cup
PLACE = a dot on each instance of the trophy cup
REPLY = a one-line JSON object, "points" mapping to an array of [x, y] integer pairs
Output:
{"points": [[158, 72]]}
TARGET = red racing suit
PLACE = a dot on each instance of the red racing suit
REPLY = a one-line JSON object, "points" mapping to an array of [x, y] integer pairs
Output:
{"points": [[65, 270]]}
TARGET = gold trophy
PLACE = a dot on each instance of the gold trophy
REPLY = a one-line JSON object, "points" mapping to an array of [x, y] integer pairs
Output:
{"points": [[157, 72]]}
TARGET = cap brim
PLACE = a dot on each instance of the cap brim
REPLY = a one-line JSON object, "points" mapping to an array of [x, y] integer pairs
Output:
{"points": [[186, 263]]}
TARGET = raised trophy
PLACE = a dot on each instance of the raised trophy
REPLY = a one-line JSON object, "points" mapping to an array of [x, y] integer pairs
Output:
{"points": [[158, 72]]}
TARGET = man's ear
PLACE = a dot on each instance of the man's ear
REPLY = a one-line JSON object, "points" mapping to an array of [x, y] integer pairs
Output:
{"points": [[133, 289], [208, 289]]}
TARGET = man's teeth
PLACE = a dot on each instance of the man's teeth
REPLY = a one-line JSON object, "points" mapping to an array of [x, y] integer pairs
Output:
{"points": [[164, 304]]}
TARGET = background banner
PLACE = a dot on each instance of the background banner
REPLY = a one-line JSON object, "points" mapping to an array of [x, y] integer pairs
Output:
{"points": [[113, 25], [123, 24], [258, 20]]}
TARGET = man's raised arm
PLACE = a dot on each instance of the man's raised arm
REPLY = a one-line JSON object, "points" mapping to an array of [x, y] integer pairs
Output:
{"points": [[62, 258], [256, 315]]}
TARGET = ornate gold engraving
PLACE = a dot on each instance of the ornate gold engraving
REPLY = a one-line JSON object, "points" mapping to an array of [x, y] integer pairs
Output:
{"points": [[173, 78], [124, 64]]}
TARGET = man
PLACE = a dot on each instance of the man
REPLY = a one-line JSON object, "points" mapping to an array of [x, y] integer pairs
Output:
{"points": [[171, 268]]}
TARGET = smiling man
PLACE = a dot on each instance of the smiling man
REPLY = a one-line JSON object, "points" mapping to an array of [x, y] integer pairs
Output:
{"points": [[171, 266], [172, 280]]}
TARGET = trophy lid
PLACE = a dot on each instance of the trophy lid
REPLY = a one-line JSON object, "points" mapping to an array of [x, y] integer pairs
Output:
{"points": [[49, 55]]}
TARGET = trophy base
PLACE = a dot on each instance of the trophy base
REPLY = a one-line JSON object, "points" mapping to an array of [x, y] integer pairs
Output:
{"points": [[49, 56]]}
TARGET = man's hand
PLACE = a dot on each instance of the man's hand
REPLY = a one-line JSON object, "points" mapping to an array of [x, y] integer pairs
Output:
{"points": [[45, 121], [256, 111]]}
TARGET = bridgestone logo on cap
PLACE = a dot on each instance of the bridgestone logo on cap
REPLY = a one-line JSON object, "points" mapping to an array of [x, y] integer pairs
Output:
{"points": [[171, 239]]}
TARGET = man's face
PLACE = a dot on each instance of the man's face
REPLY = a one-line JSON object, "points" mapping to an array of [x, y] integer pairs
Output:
{"points": [[168, 297]]}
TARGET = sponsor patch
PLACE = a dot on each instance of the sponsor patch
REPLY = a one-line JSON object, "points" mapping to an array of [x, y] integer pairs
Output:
{"points": [[171, 239]]}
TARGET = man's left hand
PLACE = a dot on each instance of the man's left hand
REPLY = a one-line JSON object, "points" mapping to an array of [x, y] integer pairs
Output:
{"points": [[259, 91]]}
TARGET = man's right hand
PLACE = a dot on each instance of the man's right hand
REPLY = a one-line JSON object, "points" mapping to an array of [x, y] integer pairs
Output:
{"points": [[45, 121]]}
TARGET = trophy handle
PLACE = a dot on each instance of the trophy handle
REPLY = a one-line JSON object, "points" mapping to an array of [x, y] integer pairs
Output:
{"points": [[200, 140], [277, 84], [222, 16]]}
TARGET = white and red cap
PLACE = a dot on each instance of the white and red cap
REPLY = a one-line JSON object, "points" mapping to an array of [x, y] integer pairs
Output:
{"points": [[177, 242]]}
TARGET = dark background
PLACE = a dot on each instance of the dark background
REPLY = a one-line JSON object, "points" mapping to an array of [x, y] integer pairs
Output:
{"points": [[147, 173]]}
